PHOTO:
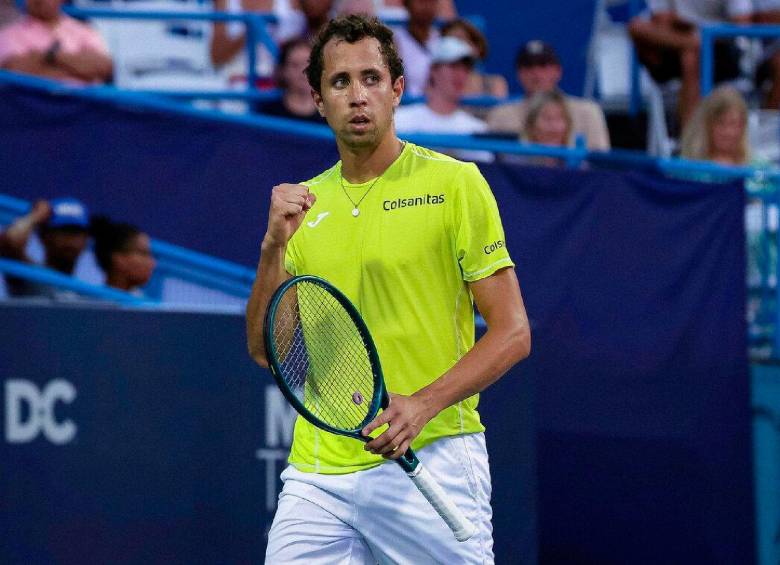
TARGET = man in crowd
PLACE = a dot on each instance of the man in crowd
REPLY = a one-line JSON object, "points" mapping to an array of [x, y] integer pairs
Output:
{"points": [[539, 71], [451, 62], [62, 226], [48, 43]]}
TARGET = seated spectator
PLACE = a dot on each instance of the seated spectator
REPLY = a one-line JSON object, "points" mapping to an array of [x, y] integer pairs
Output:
{"points": [[451, 62], [668, 43], [538, 70], [62, 227], [548, 123], [414, 43], [48, 43], [479, 84], [296, 101], [717, 131], [124, 254]]}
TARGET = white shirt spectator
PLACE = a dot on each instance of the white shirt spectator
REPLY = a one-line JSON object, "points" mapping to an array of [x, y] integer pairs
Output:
{"points": [[703, 11], [416, 58]]}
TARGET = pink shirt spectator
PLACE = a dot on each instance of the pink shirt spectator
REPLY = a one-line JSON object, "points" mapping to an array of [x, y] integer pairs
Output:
{"points": [[30, 35]]}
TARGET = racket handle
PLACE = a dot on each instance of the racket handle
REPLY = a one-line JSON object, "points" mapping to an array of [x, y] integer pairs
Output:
{"points": [[461, 527]]}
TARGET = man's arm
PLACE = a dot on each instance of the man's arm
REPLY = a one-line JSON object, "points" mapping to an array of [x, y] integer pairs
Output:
{"points": [[14, 240], [507, 341], [289, 204], [34, 63]]}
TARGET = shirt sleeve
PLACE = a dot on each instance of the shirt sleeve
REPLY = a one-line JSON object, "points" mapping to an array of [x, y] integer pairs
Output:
{"points": [[479, 235]]}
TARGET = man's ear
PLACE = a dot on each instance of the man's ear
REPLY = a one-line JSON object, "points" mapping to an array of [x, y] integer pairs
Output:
{"points": [[398, 90], [317, 97]]}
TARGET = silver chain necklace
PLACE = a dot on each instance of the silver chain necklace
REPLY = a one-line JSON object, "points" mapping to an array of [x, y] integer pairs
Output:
{"points": [[355, 205]]}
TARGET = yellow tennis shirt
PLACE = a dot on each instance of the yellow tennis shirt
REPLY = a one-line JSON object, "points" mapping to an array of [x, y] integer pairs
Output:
{"points": [[426, 227]]}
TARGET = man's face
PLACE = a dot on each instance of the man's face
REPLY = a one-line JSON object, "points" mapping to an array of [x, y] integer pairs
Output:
{"points": [[136, 263], [450, 79], [357, 96], [539, 78], [46, 10], [63, 247]]}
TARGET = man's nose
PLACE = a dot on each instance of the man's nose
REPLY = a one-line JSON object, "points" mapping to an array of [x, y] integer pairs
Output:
{"points": [[357, 94]]}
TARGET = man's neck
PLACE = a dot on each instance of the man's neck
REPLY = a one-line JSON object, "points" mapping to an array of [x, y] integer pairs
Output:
{"points": [[363, 164], [50, 23]]}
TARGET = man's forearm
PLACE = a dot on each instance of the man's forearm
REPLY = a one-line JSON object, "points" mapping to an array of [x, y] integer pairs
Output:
{"points": [[88, 66], [492, 356], [270, 274]]}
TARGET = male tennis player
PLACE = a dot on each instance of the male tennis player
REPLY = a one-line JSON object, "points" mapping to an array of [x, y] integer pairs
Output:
{"points": [[413, 238]]}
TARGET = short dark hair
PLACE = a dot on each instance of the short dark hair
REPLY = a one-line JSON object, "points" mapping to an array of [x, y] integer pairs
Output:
{"points": [[285, 50], [352, 29], [110, 237]]}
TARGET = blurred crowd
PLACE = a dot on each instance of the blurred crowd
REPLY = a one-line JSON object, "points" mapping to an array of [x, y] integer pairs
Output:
{"points": [[447, 91], [443, 57]]}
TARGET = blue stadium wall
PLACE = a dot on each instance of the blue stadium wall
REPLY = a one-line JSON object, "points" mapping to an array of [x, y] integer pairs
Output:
{"points": [[633, 409]]}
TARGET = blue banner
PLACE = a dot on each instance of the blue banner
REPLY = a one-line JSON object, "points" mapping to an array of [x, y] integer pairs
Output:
{"points": [[634, 283]]}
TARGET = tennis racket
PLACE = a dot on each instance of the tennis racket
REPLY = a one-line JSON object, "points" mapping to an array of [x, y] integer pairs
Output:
{"points": [[324, 360]]}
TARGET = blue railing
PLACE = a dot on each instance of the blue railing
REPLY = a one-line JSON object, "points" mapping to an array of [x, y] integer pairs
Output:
{"points": [[710, 33], [43, 275]]}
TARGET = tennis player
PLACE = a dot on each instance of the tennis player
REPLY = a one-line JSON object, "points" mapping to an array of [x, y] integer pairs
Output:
{"points": [[414, 239]]}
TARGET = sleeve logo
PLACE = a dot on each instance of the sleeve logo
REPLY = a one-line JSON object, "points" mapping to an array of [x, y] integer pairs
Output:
{"points": [[495, 246]]}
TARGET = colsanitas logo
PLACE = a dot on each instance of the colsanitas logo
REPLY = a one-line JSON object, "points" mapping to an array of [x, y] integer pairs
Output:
{"points": [[495, 246], [428, 199]]}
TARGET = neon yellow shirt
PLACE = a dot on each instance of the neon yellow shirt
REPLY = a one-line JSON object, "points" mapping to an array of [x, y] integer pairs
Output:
{"points": [[426, 227]]}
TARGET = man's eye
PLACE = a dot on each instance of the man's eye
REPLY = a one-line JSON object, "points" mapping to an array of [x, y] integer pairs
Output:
{"points": [[340, 83], [372, 79]]}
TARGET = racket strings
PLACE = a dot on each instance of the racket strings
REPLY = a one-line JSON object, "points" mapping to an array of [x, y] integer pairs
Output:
{"points": [[323, 358]]}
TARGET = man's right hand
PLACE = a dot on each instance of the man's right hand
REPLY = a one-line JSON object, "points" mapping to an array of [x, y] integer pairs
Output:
{"points": [[289, 204]]}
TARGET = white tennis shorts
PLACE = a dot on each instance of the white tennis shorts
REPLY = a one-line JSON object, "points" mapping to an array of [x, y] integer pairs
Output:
{"points": [[379, 516]]}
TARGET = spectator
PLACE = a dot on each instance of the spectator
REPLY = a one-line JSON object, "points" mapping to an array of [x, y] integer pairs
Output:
{"points": [[124, 254], [451, 62], [479, 84], [717, 131], [414, 43], [548, 123], [668, 43], [539, 70], [48, 43], [296, 101], [310, 18], [62, 227]]}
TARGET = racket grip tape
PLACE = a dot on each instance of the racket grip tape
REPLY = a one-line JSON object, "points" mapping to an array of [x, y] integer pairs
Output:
{"points": [[461, 527]]}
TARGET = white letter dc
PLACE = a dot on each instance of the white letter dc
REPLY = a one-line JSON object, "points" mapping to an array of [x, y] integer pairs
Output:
{"points": [[40, 413]]}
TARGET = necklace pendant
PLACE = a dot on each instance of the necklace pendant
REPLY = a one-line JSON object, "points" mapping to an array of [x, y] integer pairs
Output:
{"points": [[355, 212]]}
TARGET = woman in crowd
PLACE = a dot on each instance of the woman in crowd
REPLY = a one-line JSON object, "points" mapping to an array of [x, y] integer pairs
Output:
{"points": [[479, 84], [296, 101], [717, 131], [124, 254], [548, 122]]}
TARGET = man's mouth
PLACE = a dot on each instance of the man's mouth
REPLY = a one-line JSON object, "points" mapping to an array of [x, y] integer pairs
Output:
{"points": [[359, 119]]}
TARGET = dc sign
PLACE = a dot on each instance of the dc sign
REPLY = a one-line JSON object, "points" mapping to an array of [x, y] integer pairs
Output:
{"points": [[30, 411]]}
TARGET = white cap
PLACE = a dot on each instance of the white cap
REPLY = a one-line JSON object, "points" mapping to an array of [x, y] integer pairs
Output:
{"points": [[449, 49]]}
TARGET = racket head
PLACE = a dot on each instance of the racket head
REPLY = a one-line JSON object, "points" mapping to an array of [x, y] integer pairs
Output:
{"points": [[322, 356]]}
